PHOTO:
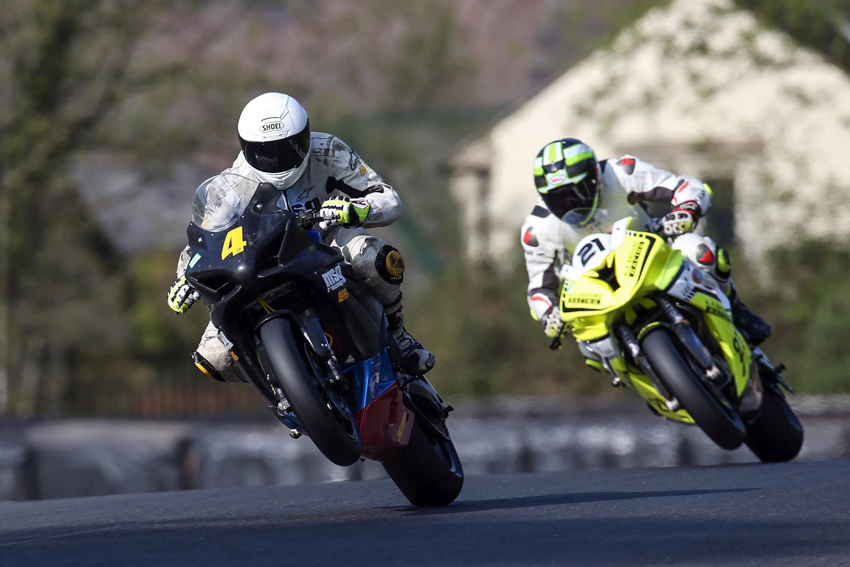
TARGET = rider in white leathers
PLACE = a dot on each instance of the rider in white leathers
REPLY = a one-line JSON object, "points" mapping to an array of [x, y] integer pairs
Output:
{"points": [[568, 177], [316, 172]]}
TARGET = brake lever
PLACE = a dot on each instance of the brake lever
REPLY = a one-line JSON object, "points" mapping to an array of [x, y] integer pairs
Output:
{"points": [[308, 219], [656, 227], [654, 224]]}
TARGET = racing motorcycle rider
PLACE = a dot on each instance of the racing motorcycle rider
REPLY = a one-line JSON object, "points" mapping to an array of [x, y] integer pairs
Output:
{"points": [[317, 172], [568, 176]]}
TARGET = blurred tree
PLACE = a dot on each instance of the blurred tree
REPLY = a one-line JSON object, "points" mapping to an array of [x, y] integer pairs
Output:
{"points": [[573, 29], [808, 312], [64, 68], [419, 76], [817, 24]]}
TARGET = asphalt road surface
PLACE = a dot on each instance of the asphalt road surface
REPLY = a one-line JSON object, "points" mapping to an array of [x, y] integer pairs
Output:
{"points": [[789, 514]]}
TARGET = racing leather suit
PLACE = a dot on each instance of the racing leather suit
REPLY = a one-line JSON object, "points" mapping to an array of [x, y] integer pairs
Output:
{"points": [[334, 170], [548, 243]]}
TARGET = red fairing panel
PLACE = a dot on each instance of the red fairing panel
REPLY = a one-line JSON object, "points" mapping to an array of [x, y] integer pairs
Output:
{"points": [[385, 425]]}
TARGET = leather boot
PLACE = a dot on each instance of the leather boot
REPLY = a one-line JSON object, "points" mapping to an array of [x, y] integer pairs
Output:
{"points": [[414, 357], [756, 328]]}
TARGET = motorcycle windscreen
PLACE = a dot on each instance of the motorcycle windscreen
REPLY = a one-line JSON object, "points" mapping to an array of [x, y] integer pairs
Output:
{"points": [[220, 200]]}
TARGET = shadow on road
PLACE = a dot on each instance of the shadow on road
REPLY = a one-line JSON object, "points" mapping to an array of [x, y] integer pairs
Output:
{"points": [[465, 506]]}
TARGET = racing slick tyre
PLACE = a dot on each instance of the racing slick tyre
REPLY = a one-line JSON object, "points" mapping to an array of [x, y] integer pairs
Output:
{"points": [[428, 471], [774, 434], [720, 422], [326, 419]]}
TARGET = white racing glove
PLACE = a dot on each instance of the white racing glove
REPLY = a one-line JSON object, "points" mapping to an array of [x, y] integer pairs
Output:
{"points": [[181, 296], [680, 220], [553, 325]]}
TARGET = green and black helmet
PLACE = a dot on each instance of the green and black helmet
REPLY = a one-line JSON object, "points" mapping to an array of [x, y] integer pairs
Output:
{"points": [[566, 175]]}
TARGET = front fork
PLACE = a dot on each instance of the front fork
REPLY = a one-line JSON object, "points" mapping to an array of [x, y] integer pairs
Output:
{"points": [[688, 338], [685, 336], [325, 366], [628, 339]]}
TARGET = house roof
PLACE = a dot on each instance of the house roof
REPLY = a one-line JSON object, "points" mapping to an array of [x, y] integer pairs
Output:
{"points": [[829, 36]]}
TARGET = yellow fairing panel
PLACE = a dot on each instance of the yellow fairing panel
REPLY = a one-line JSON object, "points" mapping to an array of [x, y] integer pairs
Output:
{"points": [[588, 304], [643, 385], [735, 350]]}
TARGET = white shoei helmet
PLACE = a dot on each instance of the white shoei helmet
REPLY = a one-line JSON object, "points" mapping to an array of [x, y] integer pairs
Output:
{"points": [[274, 133]]}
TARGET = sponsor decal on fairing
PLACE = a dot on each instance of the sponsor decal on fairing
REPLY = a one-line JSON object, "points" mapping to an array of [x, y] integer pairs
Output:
{"points": [[334, 278]]}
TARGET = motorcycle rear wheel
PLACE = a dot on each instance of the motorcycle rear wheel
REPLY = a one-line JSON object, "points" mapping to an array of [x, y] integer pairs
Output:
{"points": [[428, 471], [721, 423], [335, 435], [775, 434]]}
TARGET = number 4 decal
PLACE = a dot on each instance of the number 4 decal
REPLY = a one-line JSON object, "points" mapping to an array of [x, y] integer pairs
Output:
{"points": [[234, 243]]}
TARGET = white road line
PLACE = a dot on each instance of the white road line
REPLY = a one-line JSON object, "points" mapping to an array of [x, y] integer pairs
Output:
{"points": [[53, 537]]}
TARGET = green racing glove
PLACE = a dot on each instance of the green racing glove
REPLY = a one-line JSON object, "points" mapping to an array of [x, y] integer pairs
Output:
{"points": [[345, 212], [181, 296], [553, 325]]}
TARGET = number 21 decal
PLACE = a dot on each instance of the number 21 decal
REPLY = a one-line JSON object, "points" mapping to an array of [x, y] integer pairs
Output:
{"points": [[587, 252], [234, 243]]}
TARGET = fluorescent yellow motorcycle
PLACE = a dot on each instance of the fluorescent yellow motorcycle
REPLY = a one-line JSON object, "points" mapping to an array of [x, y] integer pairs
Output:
{"points": [[650, 317]]}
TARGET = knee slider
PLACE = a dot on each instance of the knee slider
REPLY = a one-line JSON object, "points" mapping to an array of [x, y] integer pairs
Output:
{"points": [[204, 366], [713, 260], [390, 265], [724, 265]]}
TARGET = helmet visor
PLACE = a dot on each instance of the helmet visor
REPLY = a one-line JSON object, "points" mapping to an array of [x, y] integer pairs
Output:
{"points": [[562, 200], [278, 156]]}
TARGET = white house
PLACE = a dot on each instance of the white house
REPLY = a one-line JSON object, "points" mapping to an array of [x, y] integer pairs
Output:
{"points": [[698, 87]]}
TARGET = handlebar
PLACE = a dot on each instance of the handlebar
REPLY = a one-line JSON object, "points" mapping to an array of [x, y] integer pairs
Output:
{"points": [[310, 218], [655, 223]]}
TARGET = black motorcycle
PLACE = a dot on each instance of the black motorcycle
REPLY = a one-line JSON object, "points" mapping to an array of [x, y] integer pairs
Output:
{"points": [[305, 332]]}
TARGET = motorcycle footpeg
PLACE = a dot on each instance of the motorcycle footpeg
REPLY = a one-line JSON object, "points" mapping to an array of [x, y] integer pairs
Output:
{"points": [[771, 373], [781, 381]]}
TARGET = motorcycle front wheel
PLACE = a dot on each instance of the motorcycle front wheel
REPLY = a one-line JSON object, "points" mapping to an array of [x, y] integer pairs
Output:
{"points": [[720, 422], [332, 429], [428, 471]]}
